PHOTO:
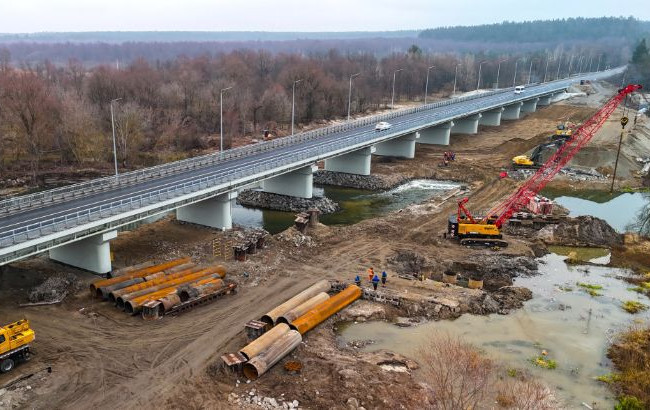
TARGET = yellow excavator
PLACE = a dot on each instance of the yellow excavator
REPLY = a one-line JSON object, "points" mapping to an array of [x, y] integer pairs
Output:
{"points": [[15, 340]]}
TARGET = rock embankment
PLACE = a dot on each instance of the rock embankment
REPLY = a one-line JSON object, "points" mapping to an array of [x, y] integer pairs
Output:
{"points": [[266, 200], [581, 231], [369, 182]]}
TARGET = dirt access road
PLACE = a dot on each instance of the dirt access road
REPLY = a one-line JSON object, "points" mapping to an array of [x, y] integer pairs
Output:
{"points": [[102, 358]]}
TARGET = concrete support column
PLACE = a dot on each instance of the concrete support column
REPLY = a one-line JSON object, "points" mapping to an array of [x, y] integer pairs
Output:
{"points": [[467, 125], [530, 105], [512, 111], [93, 253], [492, 118], [403, 147], [297, 183], [438, 135], [214, 212], [356, 162], [545, 100]]}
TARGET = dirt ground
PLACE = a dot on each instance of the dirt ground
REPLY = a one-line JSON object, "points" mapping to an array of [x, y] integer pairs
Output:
{"points": [[102, 358]]}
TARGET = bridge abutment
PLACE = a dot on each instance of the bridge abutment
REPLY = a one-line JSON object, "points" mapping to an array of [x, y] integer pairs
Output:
{"points": [[467, 125], [214, 212], [403, 147], [438, 135], [530, 105], [298, 183], [356, 162], [512, 111], [491, 118], [93, 254]]}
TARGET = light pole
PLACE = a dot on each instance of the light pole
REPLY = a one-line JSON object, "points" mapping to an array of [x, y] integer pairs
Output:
{"points": [[114, 145], [221, 119], [426, 87], [559, 63], [548, 59], [350, 93], [530, 69], [499, 70], [514, 78], [455, 76], [293, 103], [392, 100], [478, 83]]}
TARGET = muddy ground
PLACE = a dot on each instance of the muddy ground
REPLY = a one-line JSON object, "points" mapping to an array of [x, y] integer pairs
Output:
{"points": [[101, 358]]}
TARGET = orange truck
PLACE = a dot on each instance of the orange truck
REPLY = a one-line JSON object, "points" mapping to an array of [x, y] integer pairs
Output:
{"points": [[15, 342]]}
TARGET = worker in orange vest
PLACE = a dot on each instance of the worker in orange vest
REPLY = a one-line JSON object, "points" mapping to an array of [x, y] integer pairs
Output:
{"points": [[371, 273]]}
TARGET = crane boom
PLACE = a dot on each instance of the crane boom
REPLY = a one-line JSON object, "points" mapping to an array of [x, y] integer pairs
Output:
{"points": [[504, 210]]}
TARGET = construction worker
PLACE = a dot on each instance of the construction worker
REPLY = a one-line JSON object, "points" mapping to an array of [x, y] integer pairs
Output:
{"points": [[357, 280], [371, 273], [375, 282], [384, 276]]}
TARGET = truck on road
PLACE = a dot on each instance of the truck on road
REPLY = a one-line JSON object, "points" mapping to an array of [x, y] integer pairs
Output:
{"points": [[15, 342]]}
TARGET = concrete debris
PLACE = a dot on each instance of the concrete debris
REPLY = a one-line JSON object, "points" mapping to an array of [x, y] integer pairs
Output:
{"points": [[55, 288], [581, 231], [266, 200]]}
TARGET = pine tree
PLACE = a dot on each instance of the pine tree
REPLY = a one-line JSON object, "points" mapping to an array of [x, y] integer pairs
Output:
{"points": [[641, 54]]}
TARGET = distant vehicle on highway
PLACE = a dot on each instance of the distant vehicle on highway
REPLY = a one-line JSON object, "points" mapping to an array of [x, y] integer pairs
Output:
{"points": [[381, 126], [519, 89]]}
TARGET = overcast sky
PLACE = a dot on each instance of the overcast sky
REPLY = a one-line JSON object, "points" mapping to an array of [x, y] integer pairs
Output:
{"points": [[26, 16]]}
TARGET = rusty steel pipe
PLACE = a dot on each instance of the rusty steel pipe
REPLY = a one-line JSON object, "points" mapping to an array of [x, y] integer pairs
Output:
{"points": [[169, 302], [281, 347], [303, 308], [216, 272], [320, 312], [318, 287], [263, 342], [95, 288], [149, 283], [105, 291], [187, 292], [129, 269], [134, 305]]}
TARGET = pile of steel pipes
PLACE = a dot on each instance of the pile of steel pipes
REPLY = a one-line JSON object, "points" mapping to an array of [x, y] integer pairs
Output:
{"points": [[156, 290], [287, 324]]}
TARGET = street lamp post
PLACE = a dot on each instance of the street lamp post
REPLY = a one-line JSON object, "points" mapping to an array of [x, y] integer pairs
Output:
{"points": [[426, 87], [350, 94], [478, 83], [559, 63], [293, 103], [499, 70], [221, 119], [455, 76], [530, 69], [114, 145], [514, 78], [548, 59], [392, 100]]}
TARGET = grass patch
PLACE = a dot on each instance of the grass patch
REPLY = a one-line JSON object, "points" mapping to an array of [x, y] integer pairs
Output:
{"points": [[629, 403], [632, 306], [590, 288], [544, 363], [637, 289], [630, 355], [512, 372], [607, 378]]}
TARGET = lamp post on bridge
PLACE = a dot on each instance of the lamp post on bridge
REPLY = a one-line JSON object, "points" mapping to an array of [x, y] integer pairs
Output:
{"points": [[499, 70], [455, 76], [114, 145], [530, 70], [293, 102], [350, 93], [221, 119], [478, 83], [514, 78], [392, 100], [426, 87], [548, 59]]}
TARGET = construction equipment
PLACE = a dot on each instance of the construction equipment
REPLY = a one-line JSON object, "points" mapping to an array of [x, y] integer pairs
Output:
{"points": [[536, 158], [15, 339], [486, 230]]}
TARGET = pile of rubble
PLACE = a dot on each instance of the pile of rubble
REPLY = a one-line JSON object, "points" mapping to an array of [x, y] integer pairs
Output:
{"points": [[54, 288], [266, 200]]}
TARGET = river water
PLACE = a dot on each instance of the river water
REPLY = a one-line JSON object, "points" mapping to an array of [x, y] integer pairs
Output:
{"points": [[356, 204]]}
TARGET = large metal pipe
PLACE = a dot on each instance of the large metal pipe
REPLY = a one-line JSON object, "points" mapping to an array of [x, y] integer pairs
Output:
{"points": [[95, 288], [318, 287], [129, 269], [218, 272], [263, 342], [173, 299], [281, 347], [113, 295], [134, 305], [105, 291], [191, 291], [319, 313], [303, 308]]}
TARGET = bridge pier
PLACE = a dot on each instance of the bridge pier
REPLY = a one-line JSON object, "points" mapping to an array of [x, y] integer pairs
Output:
{"points": [[492, 118], [356, 162], [467, 125], [438, 135], [403, 147], [512, 111], [545, 100], [214, 212], [297, 183], [530, 105], [93, 253]]}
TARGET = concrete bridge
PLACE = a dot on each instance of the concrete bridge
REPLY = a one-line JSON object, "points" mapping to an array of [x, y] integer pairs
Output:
{"points": [[76, 223]]}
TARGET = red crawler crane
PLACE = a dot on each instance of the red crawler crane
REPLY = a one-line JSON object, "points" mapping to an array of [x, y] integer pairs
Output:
{"points": [[486, 230]]}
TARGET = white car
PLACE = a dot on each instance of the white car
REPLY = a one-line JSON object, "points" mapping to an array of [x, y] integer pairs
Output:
{"points": [[519, 89], [381, 126]]}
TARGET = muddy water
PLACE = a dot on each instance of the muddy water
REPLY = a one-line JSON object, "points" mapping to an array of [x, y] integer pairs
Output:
{"points": [[562, 318], [356, 204]]}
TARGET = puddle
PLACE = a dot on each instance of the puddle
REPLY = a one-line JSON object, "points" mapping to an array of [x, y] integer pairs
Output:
{"points": [[356, 204], [562, 318], [599, 256]]}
